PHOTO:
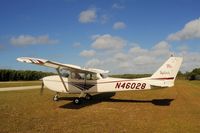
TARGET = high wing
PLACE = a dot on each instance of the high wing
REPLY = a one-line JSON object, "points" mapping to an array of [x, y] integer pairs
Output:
{"points": [[57, 65]]}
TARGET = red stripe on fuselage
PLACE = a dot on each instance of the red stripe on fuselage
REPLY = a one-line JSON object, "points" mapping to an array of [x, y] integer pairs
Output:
{"points": [[170, 78]]}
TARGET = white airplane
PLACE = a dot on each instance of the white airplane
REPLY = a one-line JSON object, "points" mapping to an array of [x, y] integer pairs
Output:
{"points": [[86, 81]]}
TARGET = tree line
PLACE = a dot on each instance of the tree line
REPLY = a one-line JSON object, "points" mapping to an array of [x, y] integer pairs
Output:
{"points": [[16, 75], [193, 75]]}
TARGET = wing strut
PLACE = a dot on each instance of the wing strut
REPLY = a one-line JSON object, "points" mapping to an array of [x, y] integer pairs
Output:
{"points": [[57, 69]]}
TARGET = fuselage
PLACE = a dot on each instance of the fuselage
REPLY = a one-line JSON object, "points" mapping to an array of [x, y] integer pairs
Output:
{"points": [[95, 86], [74, 79]]}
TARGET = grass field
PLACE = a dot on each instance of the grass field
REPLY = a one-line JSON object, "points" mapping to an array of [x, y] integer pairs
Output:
{"points": [[19, 83], [174, 110]]}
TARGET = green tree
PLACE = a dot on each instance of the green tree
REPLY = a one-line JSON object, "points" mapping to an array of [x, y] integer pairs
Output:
{"points": [[15, 75]]}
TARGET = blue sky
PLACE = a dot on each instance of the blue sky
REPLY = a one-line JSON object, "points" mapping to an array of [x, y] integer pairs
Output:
{"points": [[123, 36]]}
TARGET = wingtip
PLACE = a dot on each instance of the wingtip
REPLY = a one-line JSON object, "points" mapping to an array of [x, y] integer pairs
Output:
{"points": [[23, 59], [19, 59]]}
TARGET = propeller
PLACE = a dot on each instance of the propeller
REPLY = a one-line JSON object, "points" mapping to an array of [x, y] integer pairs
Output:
{"points": [[42, 88]]}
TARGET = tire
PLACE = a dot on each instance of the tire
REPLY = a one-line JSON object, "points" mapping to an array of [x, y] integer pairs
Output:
{"points": [[88, 97], [55, 98], [77, 101]]}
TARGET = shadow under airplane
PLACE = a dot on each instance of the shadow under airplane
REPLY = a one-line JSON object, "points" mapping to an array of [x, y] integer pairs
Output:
{"points": [[107, 97]]}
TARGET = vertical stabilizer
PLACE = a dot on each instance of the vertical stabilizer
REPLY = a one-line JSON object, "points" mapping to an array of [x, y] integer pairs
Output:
{"points": [[168, 71]]}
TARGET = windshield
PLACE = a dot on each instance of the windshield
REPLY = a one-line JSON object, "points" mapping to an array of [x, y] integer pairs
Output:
{"points": [[103, 75]]}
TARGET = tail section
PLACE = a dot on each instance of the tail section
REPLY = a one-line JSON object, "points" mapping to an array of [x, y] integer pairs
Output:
{"points": [[168, 71]]}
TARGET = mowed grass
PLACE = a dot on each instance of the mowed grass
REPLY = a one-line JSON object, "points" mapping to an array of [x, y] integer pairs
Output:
{"points": [[173, 110], [19, 83]]}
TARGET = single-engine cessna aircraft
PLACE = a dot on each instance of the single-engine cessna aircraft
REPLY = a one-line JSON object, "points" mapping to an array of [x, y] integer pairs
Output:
{"points": [[86, 81]]}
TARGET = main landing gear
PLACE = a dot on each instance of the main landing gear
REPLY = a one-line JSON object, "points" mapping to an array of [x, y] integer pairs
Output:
{"points": [[88, 97], [56, 97], [77, 100], [80, 99]]}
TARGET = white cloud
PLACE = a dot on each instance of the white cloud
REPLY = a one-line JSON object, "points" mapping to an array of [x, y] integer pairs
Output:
{"points": [[128, 58], [136, 59], [23, 40], [121, 56], [190, 31], [191, 60], [93, 63], [88, 16], [131, 60], [183, 48], [142, 60], [88, 53], [161, 49], [161, 45], [119, 25], [138, 51], [107, 41], [117, 6]]}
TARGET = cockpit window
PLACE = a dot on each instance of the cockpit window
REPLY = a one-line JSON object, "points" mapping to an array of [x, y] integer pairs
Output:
{"points": [[64, 73], [91, 77], [82, 76], [76, 76]]}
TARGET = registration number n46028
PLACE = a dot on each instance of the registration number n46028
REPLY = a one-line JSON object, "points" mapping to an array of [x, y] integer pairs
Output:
{"points": [[128, 85]]}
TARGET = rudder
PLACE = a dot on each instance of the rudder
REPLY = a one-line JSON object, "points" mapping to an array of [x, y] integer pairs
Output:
{"points": [[169, 70]]}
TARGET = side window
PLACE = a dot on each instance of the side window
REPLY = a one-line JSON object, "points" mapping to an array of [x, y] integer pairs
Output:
{"points": [[64, 73], [72, 75], [75, 76], [91, 77], [79, 76], [94, 77]]}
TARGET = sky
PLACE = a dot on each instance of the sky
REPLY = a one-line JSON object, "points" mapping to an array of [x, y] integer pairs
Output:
{"points": [[122, 36]]}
